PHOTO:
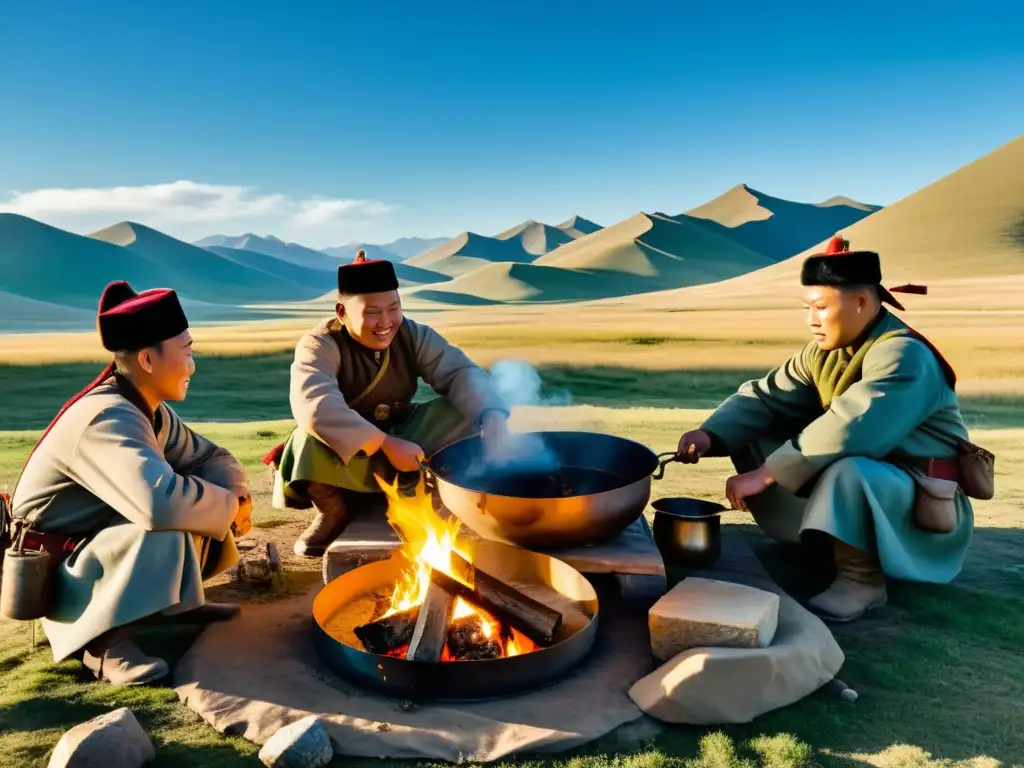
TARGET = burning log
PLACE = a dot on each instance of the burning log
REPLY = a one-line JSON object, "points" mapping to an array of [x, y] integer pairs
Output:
{"points": [[531, 617], [467, 641], [431, 628], [391, 632]]}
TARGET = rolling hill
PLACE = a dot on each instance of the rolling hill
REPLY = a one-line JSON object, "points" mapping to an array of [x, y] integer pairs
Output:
{"points": [[304, 279], [775, 227], [467, 252], [521, 244], [577, 227], [967, 227], [645, 253], [47, 264], [536, 238], [198, 273]]}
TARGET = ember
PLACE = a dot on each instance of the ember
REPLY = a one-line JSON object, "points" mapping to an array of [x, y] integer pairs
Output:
{"points": [[443, 609]]}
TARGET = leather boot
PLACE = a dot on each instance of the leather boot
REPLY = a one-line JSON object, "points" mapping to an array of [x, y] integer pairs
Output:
{"points": [[328, 523], [113, 657], [859, 586]]}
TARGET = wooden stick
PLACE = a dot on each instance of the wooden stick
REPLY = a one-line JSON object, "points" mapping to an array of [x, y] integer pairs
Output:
{"points": [[467, 642], [531, 617], [431, 630], [389, 633]]}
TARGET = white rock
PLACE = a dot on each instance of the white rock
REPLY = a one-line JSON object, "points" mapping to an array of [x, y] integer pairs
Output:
{"points": [[115, 738], [303, 744], [699, 613]]}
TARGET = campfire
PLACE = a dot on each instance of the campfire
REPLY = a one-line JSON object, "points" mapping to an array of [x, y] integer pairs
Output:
{"points": [[443, 608]]}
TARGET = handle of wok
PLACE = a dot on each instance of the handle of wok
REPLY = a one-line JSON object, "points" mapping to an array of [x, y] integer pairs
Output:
{"points": [[664, 459], [428, 475]]}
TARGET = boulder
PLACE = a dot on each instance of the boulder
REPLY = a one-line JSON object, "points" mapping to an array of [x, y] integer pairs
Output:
{"points": [[303, 744], [115, 738], [704, 613]]}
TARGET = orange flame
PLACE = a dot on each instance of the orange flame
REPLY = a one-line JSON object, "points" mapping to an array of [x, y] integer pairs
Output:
{"points": [[428, 544]]}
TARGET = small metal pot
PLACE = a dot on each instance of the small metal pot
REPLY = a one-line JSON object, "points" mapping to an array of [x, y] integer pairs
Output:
{"points": [[688, 531]]}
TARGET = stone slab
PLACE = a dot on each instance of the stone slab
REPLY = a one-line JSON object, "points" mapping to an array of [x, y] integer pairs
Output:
{"points": [[700, 612]]}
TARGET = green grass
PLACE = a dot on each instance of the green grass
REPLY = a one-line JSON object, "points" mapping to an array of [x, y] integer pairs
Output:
{"points": [[255, 388], [940, 671]]}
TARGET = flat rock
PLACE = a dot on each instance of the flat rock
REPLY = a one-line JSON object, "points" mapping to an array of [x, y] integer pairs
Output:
{"points": [[115, 738], [699, 613], [303, 744]]}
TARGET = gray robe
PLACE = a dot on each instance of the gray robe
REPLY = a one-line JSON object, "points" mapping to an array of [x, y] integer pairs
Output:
{"points": [[152, 503]]}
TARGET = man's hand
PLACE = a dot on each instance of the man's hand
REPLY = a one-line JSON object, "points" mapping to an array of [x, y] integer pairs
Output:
{"points": [[242, 523], [494, 432], [403, 455], [739, 488], [693, 445]]}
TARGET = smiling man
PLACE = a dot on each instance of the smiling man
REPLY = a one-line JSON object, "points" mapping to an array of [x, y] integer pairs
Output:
{"points": [[352, 385], [147, 505], [853, 439]]}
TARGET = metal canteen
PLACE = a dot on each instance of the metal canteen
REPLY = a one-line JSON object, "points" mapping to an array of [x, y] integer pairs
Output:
{"points": [[688, 531]]}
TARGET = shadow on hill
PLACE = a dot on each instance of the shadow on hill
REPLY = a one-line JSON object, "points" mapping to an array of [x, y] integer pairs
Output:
{"points": [[255, 388]]}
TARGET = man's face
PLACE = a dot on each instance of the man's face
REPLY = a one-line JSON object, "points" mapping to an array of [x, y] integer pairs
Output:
{"points": [[836, 317], [372, 319], [169, 367]]}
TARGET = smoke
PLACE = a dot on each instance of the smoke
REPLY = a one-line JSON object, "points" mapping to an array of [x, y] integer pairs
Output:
{"points": [[521, 453], [520, 384]]}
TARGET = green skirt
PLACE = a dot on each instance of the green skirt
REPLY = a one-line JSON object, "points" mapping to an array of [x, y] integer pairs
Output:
{"points": [[306, 459]]}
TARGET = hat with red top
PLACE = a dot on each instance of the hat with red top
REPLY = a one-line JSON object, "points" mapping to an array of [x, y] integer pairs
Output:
{"points": [[366, 276], [840, 267], [127, 320]]}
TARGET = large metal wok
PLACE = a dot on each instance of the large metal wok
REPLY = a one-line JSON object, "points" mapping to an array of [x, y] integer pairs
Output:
{"points": [[558, 489]]}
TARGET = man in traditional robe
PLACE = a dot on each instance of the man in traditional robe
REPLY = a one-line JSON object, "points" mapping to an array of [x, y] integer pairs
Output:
{"points": [[147, 504], [352, 384], [836, 440]]}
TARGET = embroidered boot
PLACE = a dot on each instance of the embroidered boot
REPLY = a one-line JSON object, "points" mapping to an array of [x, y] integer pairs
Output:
{"points": [[330, 520], [859, 586], [115, 658]]}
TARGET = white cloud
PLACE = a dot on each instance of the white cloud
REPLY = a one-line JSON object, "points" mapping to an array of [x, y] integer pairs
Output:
{"points": [[190, 209]]}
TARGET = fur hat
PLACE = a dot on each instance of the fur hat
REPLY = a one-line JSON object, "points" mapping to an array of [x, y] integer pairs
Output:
{"points": [[367, 276], [840, 267]]}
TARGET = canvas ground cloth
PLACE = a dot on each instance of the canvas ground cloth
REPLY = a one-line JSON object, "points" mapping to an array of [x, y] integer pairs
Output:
{"points": [[259, 672], [705, 686]]}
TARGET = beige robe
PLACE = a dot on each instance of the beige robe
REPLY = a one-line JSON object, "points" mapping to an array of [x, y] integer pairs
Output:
{"points": [[153, 505], [319, 407]]}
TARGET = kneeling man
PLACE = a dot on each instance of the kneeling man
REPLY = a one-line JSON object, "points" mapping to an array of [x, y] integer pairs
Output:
{"points": [[836, 440], [352, 384], [147, 505]]}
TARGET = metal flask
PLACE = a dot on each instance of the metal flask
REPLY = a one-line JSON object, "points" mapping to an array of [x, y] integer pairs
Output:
{"points": [[26, 584]]}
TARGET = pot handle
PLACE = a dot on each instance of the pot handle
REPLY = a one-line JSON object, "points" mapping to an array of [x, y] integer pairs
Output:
{"points": [[664, 459], [428, 475]]}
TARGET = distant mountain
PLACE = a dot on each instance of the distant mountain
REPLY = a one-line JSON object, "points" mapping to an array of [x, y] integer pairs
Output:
{"points": [[521, 244], [775, 227], [967, 227], [535, 237], [577, 227], [397, 250], [310, 282], [272, 246]]}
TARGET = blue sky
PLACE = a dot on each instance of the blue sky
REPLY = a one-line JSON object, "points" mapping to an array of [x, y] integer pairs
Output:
{"points": [[324, 122]]}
